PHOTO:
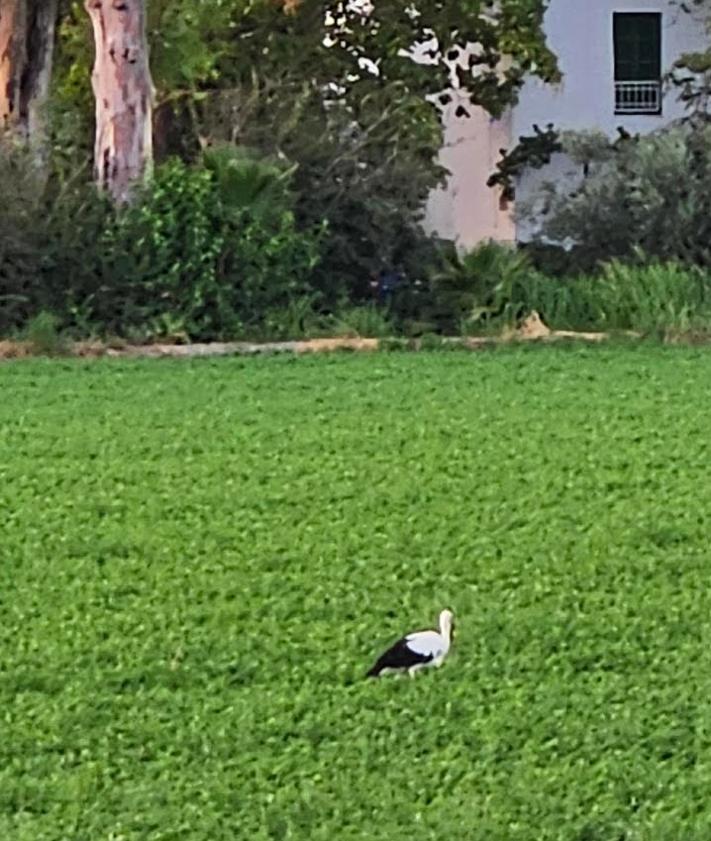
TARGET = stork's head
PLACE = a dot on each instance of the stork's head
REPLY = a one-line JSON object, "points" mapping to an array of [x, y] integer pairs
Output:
{"points": [[446, 621]]}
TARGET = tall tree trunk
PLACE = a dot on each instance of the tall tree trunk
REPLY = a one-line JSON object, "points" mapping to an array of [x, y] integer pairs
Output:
{"points": [[42, 19], [27, 29], [13, 59], [123, 152]]}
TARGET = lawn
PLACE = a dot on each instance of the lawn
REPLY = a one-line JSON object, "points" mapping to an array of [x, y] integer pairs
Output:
{"points": [[199, 561]]}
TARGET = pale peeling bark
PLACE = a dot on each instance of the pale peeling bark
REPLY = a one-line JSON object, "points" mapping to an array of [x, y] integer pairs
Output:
{"points": [[13, 58], [121, 80]]}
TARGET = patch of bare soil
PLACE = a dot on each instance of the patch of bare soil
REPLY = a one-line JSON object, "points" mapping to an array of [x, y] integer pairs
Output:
{"points": [[14, 350], [531, 329]]}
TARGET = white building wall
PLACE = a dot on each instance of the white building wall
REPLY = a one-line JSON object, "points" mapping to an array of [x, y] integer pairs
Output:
{"points": [[580, 33], [466, 210]]}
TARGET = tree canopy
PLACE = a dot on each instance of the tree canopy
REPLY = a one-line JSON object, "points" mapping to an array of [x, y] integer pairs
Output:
{"points": [[692, 71], [354, 48], [344, 96]]}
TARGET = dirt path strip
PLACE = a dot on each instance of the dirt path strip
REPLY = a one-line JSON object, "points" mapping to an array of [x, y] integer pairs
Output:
{"points": [[532, 329]]}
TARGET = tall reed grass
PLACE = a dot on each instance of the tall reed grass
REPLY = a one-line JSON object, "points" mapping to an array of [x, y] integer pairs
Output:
{"points": [[494, 286], [654, 299]]}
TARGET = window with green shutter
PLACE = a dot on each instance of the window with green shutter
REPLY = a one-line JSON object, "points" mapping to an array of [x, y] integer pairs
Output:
{"points": [[638, 62]]}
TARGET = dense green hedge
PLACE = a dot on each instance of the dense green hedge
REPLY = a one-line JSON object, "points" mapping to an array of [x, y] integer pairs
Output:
{"points": [[214, 250], [207, 251]]}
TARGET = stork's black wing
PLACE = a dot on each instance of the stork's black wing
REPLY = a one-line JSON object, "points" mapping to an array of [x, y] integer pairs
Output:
{"points": [[399, 656]]}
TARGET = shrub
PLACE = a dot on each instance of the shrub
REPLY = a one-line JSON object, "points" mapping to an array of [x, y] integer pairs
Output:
{"points": [[19, 240], [366, 165], [653, 299], [153, 263], [246, 181], [42, 332], [205, 251], [494, 286], [367, 321], [651, 193], [473, 289], [658, 299]]}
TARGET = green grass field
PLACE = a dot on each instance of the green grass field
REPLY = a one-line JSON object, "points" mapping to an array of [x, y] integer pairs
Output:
{"points": [[199, 561]]}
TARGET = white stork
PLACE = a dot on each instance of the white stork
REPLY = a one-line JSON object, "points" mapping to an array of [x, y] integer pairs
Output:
{"points": [[417, 650]]}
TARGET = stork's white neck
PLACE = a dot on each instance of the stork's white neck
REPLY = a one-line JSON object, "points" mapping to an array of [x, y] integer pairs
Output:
{"points": [[445, 626]]}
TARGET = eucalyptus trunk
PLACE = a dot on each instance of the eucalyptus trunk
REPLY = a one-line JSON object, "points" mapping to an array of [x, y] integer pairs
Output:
{"points": [[121, 79], [27, 33], [42, 20], [13, 59]]}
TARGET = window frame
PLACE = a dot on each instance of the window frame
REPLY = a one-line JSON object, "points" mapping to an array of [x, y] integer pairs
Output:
{"points": [[648, 85]]}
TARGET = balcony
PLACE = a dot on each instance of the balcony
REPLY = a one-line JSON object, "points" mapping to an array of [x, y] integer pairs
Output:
{"points": [[638, 97]]}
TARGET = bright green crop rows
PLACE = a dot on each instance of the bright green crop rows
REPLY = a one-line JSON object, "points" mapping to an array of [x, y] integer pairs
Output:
{"points": [[199, 560]]}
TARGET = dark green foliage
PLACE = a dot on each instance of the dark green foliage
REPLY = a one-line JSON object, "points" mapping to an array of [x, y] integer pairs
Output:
{"points": [[495, 286], [666, 300], [44, 336], [368, 321], [365, 167], [511, 27], [471, 292], [205, 252], [649, 194], [193, 581], [477, 287], [20, 257], [691, 74], [531, 152], [246, 182], [551, 259], [155, 264], [365, 145]]}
